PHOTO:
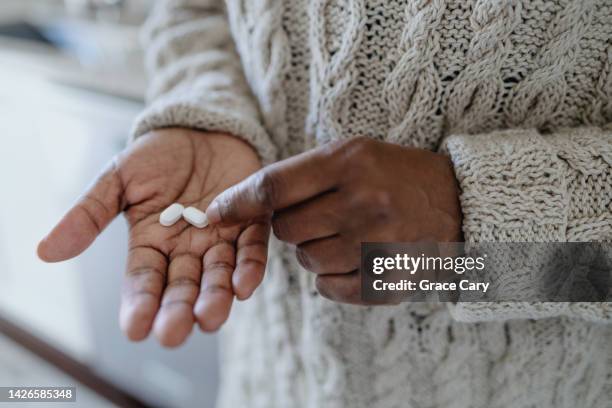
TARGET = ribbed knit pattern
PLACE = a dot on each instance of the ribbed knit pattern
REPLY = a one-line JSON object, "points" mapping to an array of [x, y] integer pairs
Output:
{"points": [[519, 93]]}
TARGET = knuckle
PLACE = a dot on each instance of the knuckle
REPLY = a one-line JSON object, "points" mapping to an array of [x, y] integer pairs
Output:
{"points": [[376, 204], [220, 267], [353, 294], [378, 197], [145, 276], [332, 147], [359, 153], [382, 216], [226, 206], [183, 282], [331, 150], [358, 200], [92, 209], [324, 288], [363, 198], [381, 198], [216, 288], [356, 147], [265, 189], [303, 258], [346, 148], [348, 292], [281, 228], [360, 142]]}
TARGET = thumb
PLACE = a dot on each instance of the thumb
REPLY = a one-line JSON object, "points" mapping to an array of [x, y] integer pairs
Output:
{"points": [[86, 219]]}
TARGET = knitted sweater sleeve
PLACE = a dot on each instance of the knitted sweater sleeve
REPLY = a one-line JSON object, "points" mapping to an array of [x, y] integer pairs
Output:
{"points": [[525, 186], [196, 78]]}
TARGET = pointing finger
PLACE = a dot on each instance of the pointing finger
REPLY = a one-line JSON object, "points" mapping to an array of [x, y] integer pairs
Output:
{"points": [[276, 186]]}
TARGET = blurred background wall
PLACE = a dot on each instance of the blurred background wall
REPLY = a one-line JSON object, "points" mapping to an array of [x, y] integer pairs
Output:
{"points": [[71, 82]]}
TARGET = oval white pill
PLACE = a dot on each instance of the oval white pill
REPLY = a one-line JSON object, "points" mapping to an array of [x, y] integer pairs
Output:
{"points": [[195, 217], [171, 215]]}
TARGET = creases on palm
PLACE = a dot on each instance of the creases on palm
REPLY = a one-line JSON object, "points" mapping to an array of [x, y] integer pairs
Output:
{"points": [[176, 276]]}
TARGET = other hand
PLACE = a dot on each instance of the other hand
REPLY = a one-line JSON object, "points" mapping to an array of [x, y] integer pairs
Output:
{"points": [[176, 275], [330, 199]]}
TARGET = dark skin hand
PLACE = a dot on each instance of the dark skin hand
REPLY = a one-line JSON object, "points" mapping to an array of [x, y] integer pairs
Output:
{"points": [[330, 199], [176, 276]]}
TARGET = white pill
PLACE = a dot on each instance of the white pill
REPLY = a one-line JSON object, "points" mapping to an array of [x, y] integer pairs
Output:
{"points": [[171, 215], [195, 217]]}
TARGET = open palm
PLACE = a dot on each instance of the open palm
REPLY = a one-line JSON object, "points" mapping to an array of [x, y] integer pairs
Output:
{"points": [[179, 275]]}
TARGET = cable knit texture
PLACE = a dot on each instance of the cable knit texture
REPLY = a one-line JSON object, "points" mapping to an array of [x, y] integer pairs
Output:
{"points": [[517, 92]]}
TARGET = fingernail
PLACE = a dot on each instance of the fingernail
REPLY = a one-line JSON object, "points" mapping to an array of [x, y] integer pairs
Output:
{"points": [[213, 213], [40, 249]]}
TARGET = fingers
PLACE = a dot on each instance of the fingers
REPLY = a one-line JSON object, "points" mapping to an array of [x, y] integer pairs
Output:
{"points": [[277, 186], [85, 220], [216, 296], [334, 255], [142, 289], [251, 258], [175, 319], [314, 219]]}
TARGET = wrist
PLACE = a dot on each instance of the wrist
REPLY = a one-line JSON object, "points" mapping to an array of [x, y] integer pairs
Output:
{"points": [[447, 200], [220, 144]]}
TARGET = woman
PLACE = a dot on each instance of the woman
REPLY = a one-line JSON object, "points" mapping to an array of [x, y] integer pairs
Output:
{"points": [[483, 121]]}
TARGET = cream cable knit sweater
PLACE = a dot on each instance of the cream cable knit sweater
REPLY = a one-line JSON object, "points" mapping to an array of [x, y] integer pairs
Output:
{"points": [[518, 92]]}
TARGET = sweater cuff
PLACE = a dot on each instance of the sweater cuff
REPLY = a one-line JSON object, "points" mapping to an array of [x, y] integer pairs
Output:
{"points": [[192, 112], [516, 186], [513, 187]]}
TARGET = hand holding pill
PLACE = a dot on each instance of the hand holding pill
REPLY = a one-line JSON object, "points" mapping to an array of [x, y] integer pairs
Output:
{"points": [[179, 271]]}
